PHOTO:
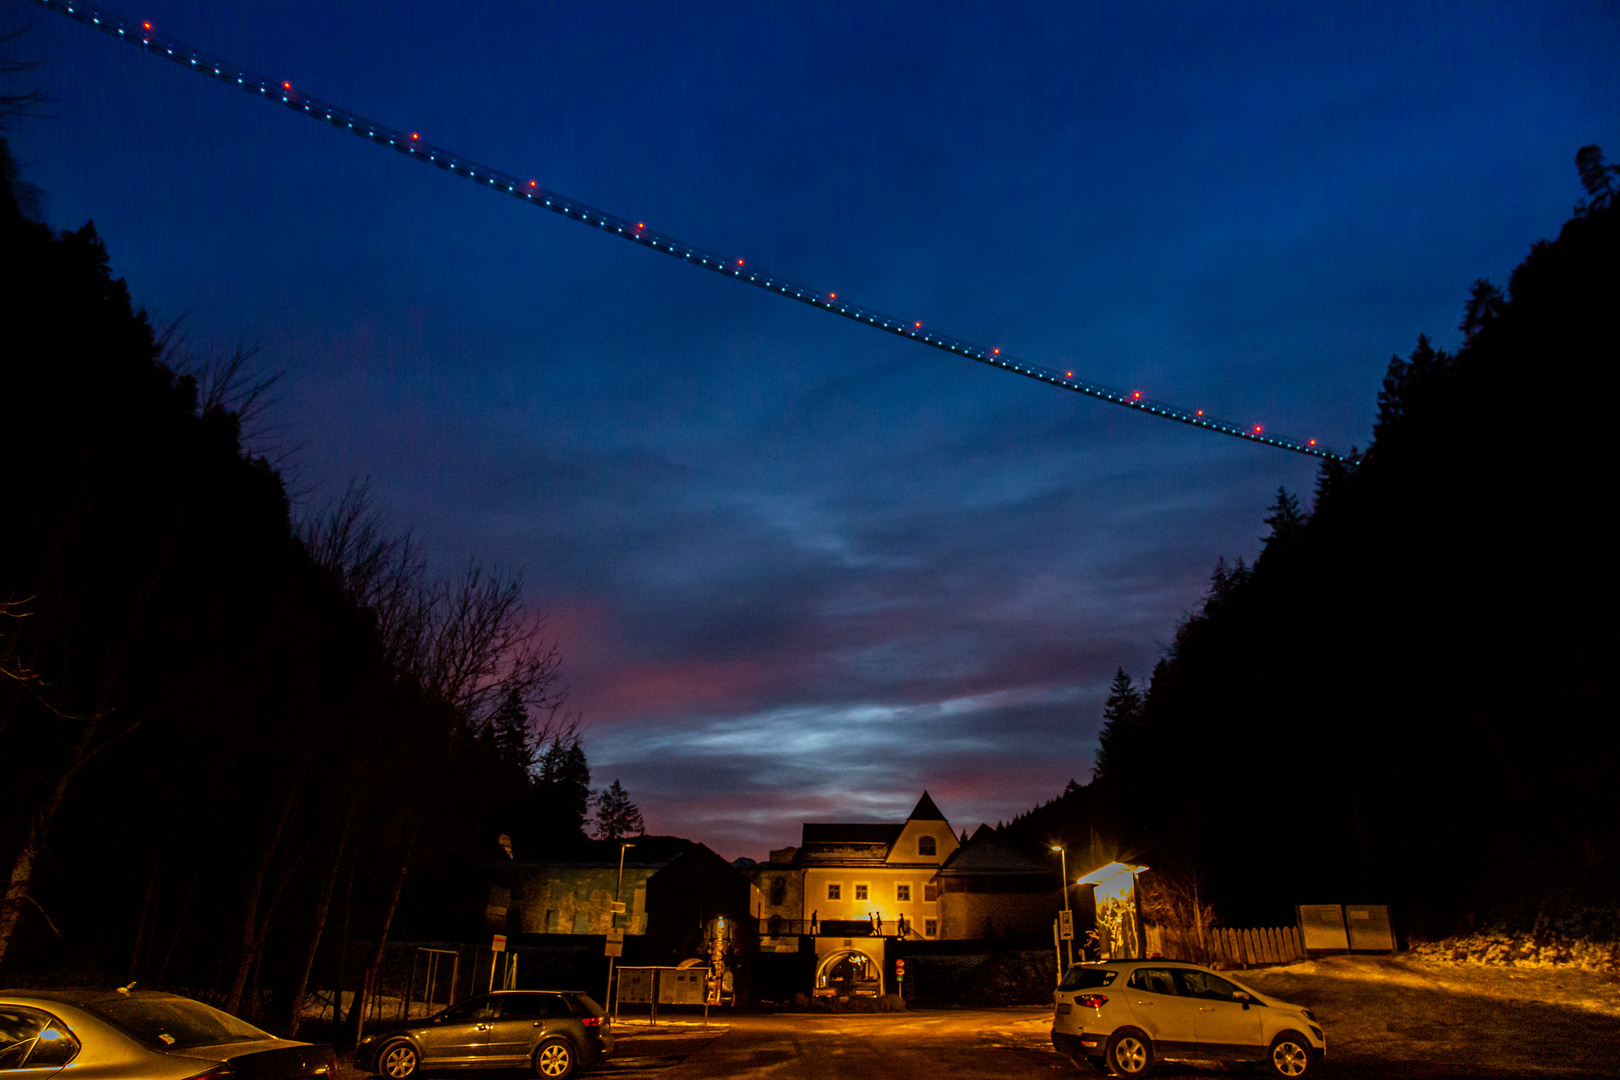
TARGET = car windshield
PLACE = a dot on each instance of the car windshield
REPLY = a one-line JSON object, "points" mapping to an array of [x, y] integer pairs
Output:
{"points": [[174, 1023], [1081, 977]]}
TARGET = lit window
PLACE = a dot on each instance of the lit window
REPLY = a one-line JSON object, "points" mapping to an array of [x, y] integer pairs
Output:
{"points": [[902, 893], [925, 845], [835, 890], [860, 892], [930, 928]]}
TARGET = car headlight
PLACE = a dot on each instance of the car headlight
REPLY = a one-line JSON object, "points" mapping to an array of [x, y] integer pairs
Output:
{"points": [[1309, 1015]]}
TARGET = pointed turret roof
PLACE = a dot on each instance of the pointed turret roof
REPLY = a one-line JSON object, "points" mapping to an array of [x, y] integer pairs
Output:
{"points": [[926, 810]]}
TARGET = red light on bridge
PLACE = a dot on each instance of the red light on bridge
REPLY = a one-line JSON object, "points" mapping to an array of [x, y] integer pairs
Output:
{"points": [[917, 325], [1200, 412], [995, 352], [414, 135], [533, 184], [1136, 396], [1257, 429], [832, 296], [286, 86], [1068, 374], [1313, 442], [146, 26], [739, 262]]}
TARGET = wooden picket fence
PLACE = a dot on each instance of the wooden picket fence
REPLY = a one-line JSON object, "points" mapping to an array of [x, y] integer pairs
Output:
{"points": [[1231, 947]]}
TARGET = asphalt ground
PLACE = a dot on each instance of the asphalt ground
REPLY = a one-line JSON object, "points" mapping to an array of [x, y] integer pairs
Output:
{"points": [[920, 1045], [1385, 1018]]}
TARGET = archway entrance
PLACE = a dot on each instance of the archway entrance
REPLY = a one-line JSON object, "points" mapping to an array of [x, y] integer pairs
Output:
{"points": [[849, 973]]}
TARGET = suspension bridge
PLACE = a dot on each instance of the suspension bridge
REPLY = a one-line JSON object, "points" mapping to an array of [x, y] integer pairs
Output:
{"points": [[143, 36]]}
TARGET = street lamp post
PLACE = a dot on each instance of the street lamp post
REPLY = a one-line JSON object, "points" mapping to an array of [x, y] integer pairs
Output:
{"points": [[1063, 864], [613, 917]]}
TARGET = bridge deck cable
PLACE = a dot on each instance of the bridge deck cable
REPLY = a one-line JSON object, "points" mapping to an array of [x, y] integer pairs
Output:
{"points": [[142, 35]]}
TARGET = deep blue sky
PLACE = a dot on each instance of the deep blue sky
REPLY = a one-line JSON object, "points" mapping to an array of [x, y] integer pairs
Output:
{"points": [[800, 570]]}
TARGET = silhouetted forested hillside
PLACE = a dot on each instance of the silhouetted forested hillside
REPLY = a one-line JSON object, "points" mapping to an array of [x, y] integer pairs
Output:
{"points": [[228, 740], [1410, 697]]}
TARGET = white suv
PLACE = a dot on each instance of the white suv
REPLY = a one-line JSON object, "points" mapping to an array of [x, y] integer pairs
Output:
{"points": [[1122, 1016]]}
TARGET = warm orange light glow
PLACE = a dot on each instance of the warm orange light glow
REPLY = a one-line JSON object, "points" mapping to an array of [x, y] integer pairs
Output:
{"points": [[832, 296], [414, 135], [286, 86], [1068, 374], [146, 26], [1257, 429], [1200, 412], [533, 184], [1313, 442], [917, 325]]}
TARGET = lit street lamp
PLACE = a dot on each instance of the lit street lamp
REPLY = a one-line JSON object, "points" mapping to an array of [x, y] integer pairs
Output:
{"points": [[1063, 869]]}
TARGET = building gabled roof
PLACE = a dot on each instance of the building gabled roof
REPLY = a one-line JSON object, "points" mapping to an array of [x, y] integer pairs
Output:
{"points": [[926, 810], [878, 832], [989, 853], [851, 843]]}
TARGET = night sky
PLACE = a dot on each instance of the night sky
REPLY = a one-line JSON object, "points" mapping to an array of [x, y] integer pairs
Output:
{"points": [[799, 569]]}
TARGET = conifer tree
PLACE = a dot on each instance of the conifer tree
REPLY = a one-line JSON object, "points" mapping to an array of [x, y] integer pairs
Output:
{"points": [[1485, 303], [1121, 714], [1597, 177], [616, 815], [563, 785], [1286, 519], [509, 728]]}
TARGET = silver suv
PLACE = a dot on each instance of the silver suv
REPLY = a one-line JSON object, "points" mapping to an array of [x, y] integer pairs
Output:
{"points": [[553, 1032], [1121, 1016]]}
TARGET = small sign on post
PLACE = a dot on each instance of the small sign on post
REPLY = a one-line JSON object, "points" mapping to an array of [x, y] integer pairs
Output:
{"points": [[498, 944], [613, 948], [1066, 924]]}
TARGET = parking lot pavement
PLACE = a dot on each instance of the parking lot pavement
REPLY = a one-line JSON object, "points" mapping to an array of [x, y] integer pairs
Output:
{"points": [[1402, 1028], [1385, 1018], [989, 1043]]}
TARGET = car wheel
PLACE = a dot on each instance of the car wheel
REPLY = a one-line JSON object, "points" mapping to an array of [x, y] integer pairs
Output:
{"points": [[398, 1060], [555, 1059], [1289, 1056], [1130, 1052]]}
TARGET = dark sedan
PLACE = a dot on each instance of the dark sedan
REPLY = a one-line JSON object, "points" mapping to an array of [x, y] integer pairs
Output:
{"points": [[552, 1032], [142, 1035]]}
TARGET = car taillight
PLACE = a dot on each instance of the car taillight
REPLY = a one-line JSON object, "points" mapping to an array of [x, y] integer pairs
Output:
{"points": [[1092, 1001], [591, 1021], [218, 1072]]}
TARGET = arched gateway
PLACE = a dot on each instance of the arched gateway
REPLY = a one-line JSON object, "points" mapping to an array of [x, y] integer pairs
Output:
{"points": [[850, 972]]}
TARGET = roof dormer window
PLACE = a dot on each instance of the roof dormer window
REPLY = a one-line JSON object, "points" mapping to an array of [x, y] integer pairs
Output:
{"points": [[925, 845]]}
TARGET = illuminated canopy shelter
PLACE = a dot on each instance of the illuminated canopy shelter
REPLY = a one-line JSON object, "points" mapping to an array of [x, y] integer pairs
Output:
{"points": [[1119, 914]]}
